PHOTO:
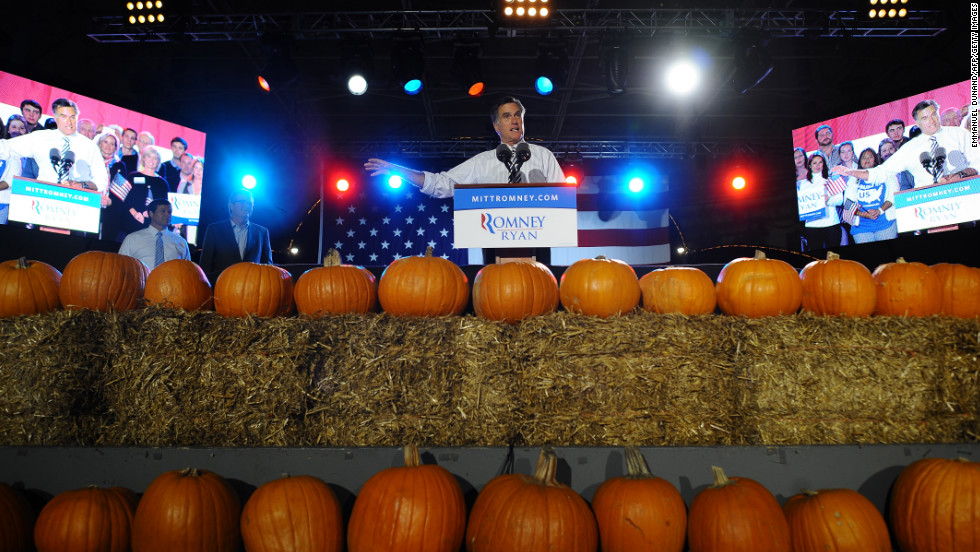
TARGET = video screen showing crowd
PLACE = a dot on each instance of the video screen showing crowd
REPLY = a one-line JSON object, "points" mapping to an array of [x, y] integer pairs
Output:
{"points": [[846, 187], [133, 173]]}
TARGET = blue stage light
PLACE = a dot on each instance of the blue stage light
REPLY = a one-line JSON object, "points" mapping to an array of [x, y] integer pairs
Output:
{"points": [[413, 87], [544, 86], [636, 184], [248, 182], [395, 181]]}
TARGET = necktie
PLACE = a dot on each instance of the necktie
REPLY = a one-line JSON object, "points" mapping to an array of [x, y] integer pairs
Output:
{"points": [[934, 150], [158, 254], [515, 171], [62, 173], [241, 232]]}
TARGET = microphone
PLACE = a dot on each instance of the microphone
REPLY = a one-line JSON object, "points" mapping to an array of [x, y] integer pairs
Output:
{"points": [[503, 154], [940, 158], [926, 160], [55, 155], [69, 161], [523, 152]]}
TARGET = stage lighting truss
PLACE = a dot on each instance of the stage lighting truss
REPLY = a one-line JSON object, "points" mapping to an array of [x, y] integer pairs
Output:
{"points": [[517, 12], [408, 64], [142, 13], [883, 10]]}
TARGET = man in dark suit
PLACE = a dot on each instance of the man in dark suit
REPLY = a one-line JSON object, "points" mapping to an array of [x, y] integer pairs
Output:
{"points": [[235, 240]]}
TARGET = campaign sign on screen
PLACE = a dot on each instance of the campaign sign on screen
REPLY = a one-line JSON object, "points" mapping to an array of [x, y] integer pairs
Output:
{"points": [[52, 205], [186, 208], [938, 205], [510, 217]]}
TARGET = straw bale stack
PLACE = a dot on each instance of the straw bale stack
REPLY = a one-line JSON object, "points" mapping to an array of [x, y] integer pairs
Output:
{"points": [[155, 377]]}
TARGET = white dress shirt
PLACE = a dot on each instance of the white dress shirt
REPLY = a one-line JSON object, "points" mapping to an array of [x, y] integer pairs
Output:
{"points": [[960, 154], [89, 165], [485, 168], [142, 245]]}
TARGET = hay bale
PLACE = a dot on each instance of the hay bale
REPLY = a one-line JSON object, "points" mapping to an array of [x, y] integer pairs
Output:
{"points": [[199, 379], [51, 377], [808, 379], [384, 381], [642, 379]]}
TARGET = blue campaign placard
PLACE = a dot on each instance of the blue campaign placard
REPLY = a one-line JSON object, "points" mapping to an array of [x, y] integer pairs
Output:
{"points": [[59, 193], [556, 197]]}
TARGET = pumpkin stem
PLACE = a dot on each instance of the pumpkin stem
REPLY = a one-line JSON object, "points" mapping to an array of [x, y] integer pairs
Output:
{"points": [[332, 258], [831, 256], [22, 263], [808, 492], [600, 257], [636, 464], [759, 255], [412, 458], [900, 260], [547, 468], [428, 251], [190, 472], [721, 479]]}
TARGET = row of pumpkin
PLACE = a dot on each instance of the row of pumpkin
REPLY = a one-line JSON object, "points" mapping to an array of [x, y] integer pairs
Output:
{"points": [[417, 507], [432, 286]]}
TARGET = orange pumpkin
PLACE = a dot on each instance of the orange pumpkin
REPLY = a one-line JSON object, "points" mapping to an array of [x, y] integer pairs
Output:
{"points": [[935, 506], [251, 289], [907, 289], [404, 509], [531, 514], [678, 289], [189, 510], [599, 287], [423, 286], [838, 287], [28, 287], [179, 283], [336, 288], [514, 291], [639, 511], [759, 287], [835, 520], [86, 520], [16, 520], [103, 281], [960, 290], [293, 514], [736, 514]]}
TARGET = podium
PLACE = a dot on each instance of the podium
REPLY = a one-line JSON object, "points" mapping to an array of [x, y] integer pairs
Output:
{"points": [[511, 221], [54, 205], [938, 205]]}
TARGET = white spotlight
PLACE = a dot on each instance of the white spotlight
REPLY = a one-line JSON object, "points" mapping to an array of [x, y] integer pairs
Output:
{"points": [[357, 85], [683, 78]]}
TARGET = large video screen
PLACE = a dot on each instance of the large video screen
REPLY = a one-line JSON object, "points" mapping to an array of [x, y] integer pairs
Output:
{"points": [[870, 175], [139, 156]]}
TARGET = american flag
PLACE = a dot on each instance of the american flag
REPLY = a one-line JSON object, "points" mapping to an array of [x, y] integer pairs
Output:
{"points": [[120, 187], [377, 227], [835, 185]]}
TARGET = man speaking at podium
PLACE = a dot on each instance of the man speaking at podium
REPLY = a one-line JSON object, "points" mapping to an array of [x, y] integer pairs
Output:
{"points": [[63, 156], [508, 163], [940, 154]]}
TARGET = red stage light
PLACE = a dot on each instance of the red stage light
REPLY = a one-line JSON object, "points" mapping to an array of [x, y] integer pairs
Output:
{"points": [[738, 182], [476, 89], [571, 179], [342, 185], [264, 84]]}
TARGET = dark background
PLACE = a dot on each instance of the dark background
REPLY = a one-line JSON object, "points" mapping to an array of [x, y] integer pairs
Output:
{"points": [[198, 69]]}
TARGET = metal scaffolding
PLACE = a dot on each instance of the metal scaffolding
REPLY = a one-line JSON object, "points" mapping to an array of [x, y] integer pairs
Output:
{"points": [[779, 23]]}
